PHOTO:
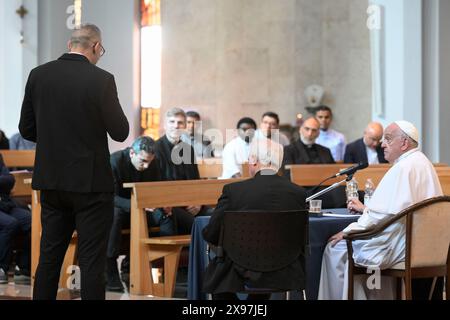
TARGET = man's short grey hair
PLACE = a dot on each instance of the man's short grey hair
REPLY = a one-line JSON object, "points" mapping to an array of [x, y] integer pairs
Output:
{"points": [[175, 112], [268, 153], [413, 143], [85, 35]]}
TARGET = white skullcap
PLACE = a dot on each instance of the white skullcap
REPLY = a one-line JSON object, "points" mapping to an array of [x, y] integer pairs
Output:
{"points": [[409, 129]]}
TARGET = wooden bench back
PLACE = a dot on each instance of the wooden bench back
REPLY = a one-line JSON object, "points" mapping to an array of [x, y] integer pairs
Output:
{"points": [[177, 193], [212, 169], [18, 158], [21, 189], [311, 175]]}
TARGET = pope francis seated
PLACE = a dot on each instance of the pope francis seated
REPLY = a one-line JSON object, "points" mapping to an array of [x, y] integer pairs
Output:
{"points": [[411, 179]]}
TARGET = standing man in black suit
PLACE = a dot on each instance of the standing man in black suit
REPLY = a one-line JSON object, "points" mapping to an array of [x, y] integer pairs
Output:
{"points": [[368, 148], [265, 191], [70, 106]]}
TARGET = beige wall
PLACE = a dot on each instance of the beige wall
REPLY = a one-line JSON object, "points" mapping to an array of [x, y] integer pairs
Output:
{"points": [[232, 58]]}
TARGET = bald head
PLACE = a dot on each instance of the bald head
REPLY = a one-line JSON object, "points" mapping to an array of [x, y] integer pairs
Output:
{"points": [[373, 134], [309, 131]]}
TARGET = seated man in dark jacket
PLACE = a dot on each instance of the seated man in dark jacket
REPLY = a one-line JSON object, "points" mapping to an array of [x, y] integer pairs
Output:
{"points": [[265, 191], [368, 148], [177, 162], [306, 150], [12, 221], [135, 164]]}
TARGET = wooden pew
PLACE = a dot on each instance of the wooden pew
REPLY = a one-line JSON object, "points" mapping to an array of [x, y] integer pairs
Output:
{"points": [[144, 249], [18, 158], [212, 168], [21, 189], [311, 175]]}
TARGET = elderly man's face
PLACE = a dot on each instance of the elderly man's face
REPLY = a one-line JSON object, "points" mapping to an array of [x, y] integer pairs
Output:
{"points": [[394, 143], [175, 126], [372, 138], [309, 131]]}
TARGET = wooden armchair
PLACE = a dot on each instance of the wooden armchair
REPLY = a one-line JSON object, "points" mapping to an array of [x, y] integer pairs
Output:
{"points": [[427, 252]]}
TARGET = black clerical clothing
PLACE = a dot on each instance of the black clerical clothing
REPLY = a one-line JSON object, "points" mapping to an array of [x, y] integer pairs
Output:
{"points": [[177, 162], [124, 172], [263, 192], [69, 108], [185, 169], [355, 152], [299, 153]]}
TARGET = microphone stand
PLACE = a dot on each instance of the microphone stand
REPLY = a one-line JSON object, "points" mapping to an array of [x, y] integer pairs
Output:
{"points": [[333, 186]]}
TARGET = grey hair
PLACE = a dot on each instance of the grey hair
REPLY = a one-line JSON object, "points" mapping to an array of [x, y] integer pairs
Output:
{"points": [[175, 112], [411, 141], [268, 153], [85, 35]]}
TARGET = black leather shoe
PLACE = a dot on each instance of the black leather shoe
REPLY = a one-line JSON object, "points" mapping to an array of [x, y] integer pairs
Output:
{"points": [[113, 282]]}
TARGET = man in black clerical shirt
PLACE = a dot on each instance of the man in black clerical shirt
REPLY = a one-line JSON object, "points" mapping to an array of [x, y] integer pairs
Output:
{"points": [[305, 150], [177, 162], [135, 164]]}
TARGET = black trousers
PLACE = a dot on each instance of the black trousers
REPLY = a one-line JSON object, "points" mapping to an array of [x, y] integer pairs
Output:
{"points": [[90, 214]]}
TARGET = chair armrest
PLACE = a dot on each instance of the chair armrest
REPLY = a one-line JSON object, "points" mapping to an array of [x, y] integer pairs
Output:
{"points": [[370, 233]]}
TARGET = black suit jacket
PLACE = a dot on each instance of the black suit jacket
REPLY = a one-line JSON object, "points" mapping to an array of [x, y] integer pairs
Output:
{"points": [[355, 152], [263, 192], [69, 107], [296, 153]]}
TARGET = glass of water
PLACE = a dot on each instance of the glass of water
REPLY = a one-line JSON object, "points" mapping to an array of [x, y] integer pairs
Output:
{"points": [[315, 206]]}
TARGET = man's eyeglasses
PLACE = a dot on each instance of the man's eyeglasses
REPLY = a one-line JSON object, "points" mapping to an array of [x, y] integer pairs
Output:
{"points": [[390, 139], [102, 50]]}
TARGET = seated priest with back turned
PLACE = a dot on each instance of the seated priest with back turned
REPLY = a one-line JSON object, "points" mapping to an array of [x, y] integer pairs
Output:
{"points": [[411, 179], [264, 191]]}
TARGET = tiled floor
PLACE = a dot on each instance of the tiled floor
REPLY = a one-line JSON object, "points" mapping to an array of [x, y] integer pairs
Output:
{"points": [[12, 291]]}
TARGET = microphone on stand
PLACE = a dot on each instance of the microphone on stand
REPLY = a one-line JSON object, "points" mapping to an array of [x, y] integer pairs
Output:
{"points": [[349, 172], [352, 170]]}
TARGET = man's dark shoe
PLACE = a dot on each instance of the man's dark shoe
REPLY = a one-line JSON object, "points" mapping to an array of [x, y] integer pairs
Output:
{"points": [[113, 282], [3, 276], [22, 276]]}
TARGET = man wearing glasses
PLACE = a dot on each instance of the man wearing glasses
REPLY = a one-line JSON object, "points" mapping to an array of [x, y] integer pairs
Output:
{"points": [[70, 107], [368, 148], [411, 179]]}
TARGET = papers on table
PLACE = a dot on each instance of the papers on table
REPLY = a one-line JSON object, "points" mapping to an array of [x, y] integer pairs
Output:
{"points": [[339, 215]]}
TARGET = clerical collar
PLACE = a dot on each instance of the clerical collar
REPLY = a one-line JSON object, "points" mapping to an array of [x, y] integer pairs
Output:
{"points": [[266, 172]]}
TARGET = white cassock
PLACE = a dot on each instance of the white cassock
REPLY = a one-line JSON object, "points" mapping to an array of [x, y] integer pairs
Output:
{"points": [[234, 155], [411, 179]]}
